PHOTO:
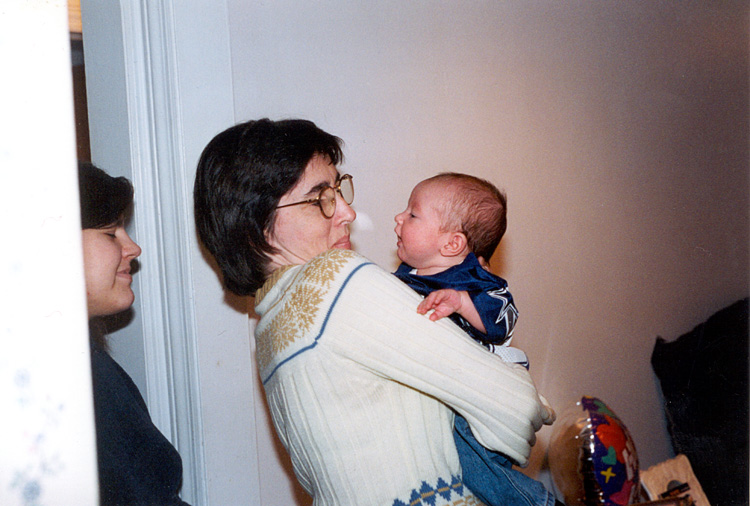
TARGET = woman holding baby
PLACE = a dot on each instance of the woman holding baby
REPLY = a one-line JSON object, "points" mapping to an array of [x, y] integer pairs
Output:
{"points": [[361, 388]]}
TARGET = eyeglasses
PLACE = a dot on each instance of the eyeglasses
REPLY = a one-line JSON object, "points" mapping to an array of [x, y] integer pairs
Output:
{"points": [[326, 199]]}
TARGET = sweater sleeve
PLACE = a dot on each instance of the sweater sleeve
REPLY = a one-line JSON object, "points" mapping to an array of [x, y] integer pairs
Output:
{"points": [[375, 324]]}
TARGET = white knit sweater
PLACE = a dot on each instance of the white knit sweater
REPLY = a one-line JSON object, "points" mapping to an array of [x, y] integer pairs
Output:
{"points": [[360, 387]]}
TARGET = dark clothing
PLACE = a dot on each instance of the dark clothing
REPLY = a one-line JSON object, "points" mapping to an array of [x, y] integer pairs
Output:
{"points": [[488, 292], [137, 464]]}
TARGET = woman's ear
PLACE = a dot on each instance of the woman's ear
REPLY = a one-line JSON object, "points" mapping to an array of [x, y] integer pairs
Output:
{"points": [[455, 246]]}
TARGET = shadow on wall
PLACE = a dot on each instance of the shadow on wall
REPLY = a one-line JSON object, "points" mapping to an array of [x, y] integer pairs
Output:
{"points": [[241, 304]]}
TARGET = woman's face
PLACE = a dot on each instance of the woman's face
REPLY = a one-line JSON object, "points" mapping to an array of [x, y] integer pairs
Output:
{"points": [[301, 232], [107, 254]]}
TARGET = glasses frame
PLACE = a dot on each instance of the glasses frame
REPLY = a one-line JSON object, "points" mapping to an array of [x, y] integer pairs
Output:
{"points": [[336, 189]]}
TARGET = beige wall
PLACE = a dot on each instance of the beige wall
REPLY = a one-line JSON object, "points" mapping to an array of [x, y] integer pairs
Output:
{"points": [[618, 129]]}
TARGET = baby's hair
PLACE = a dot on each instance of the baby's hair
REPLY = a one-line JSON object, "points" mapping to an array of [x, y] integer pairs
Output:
{"points": [[475, 207]]}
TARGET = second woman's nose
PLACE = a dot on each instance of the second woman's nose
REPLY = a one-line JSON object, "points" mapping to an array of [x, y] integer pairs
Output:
{"points": [[130, 248]]}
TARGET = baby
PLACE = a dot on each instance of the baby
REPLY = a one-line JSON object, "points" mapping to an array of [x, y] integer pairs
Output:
{"points": [[449, 230]]}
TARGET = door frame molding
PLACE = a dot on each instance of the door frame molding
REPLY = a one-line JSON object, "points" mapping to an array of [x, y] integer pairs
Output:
{"points": [[163, 227]]}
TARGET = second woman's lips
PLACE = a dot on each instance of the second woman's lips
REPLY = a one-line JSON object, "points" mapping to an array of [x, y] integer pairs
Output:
{"points": [[125, 273]]}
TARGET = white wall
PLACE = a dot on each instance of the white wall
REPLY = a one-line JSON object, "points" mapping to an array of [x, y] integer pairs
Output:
{"points": [[47, 438], [618, 130]]}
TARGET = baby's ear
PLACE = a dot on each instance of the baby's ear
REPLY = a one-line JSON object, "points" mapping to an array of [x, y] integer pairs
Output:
{"points": [[455, 246]]}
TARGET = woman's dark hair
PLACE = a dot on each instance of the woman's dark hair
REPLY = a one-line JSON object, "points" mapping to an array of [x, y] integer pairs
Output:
{"points": [[104, 199], [242, 174]]}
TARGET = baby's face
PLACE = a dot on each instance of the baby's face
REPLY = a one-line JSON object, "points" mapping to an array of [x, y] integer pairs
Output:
{"points": [[418, 228]]}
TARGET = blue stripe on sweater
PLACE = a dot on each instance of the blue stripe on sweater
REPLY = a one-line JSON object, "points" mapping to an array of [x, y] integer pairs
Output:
{"points": [[322, 328]]}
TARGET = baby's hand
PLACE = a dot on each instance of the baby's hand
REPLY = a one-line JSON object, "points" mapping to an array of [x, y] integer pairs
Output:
{"points": [[445, 302]]}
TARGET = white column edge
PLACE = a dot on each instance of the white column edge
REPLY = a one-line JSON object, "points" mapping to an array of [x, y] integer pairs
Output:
{"points": [[158, 168]]}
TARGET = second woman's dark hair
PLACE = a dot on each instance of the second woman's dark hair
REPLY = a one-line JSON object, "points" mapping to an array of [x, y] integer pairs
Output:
{"points": [[241, 176], [104, 199]]}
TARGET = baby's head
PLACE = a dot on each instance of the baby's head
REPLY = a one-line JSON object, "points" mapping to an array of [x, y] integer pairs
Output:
{"points": [[449, 216]]}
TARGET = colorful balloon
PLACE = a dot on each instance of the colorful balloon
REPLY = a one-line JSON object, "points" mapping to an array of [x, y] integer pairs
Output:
{"points": [[592, 457]]}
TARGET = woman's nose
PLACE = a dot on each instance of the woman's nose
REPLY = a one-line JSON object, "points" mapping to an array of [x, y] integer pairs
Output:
{"points": [[130, 248], [345, 211]]}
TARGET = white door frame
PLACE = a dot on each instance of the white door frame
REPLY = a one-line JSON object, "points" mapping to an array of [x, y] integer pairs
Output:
{"points": [[162, 227], [145, 124]]}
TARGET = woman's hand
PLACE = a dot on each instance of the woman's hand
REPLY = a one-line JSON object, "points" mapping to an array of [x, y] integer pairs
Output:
{"points": [[548, 416]]}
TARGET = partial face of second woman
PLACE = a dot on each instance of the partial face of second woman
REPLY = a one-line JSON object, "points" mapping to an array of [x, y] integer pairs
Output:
{"points": [[107, 256], [300, 233]]}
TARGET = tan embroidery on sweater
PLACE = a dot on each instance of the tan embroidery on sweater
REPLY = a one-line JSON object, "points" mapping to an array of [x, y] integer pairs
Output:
{"points": [[261, 292], [301, 306], [467, 501], [323, 269]]}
